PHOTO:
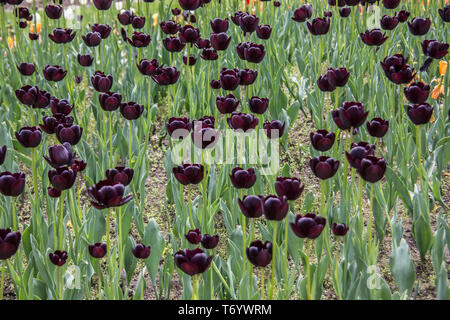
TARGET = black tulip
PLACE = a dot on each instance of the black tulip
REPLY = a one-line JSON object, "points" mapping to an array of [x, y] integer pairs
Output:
{"points": [[97, 250], [141, 251], [372, 169], [420, 113], [12, 184], [60, 155], [377, 127], [26, 69], [308, 226], [243, 179], [120, 174], [322, 140], [289, 187], [29, 137], [259, 253], [9, 243], [192, 262], [194, 236], [324, 167]]}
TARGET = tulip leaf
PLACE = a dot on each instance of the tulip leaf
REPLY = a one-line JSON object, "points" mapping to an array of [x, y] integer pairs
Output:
{"points": [[402, 268]]}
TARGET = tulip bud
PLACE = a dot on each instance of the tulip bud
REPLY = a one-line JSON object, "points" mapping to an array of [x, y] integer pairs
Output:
{"points": [[62, 178], [192, 262], [26, 69], [191, 61], [339, 229], [189, 4], [102, 4], [259, 253], [106, 194], [141, 251], [67, 132], [419, 26], [219, 41], [372, 168], [97, 250], [189, 173], [243, 179], [417, 92], [251, 206], [377, 127], [120, 175], [391, 4], [289, 187], [275, 208], [324, 167], [110, 101], [227, 104], [85, 60], [344, 12], [209, 242], [308, 226], [9, 243], [194, 236], [420, 113], [58, 258], [263, 32], [12, 184], [29, 137], [219, 25], [322, 140], [53, 11], [125, 17], [131, 110]]}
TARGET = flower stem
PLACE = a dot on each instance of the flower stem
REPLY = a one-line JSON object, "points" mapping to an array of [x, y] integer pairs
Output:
{"points": [[262, 283], [369, 225], [61, 220], [322, 198], [308, 269], [2, 280], [13, 210], [191, 220], [108, 245], [60, 283], [274, 245], [99, 280], [286, 253], [111, 159], [120, 237]]}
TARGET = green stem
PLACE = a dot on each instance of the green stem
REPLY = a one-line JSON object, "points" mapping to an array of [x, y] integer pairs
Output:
{"points": [[286, 256], [120, 237], [61, 220], [221, 277], [308, 269], [60, 283], [191, 220], [322, 197], [13, 209], [262, 283], [2, 280], [274, 245], [99, 280], [369, 225], [108, 245], [111, 156]]}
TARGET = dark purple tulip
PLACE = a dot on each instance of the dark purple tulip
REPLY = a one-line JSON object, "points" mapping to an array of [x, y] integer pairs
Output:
{"points": [[137, 22], [166, 76], [13, 2], [209, 241], [327, 82], [77, 79], [2, 154], [139, 39], [352, 114], [106, 194], [445, 13], [322, 140], [328, 14], [237, 16], [251, 206], [397, 70], [391, 4], [420, 113], [242, 121], [33, 36], [339, 229], [147, 68], [204, 136], [92, 39], [62, 178], [358, 151], [417, 92], [9, 243], [189, 4], [54, 73], [12, 184], [243, 179], [276, 4], [110, 101], [79, 166], [215, 84], [141, 251], [254, 52], [203, 44], [340, 3], [189, 173], [22, 13], [419, 26], [229, 79], [275, 208], [131, 110], [259, 253], [341, 76], [125, 17], [372, 168], [324, 167], [32, 96], [169, 27], [178, 128], [319, 26], [240, 49], [258, 105], [435, 49], [377, 127], [345, 12], [120, 175], [60, 106], [373, 37], [220, 41], [58, 258], [103, 29], [303, 13], [352, 2], [289, 187], [176, 11], [247, 77], [26, 69], [85, 60], [308, 226], [173, 44], [209, 54], [219, 25], [51, 123], [248, 23], [403, 16], [102, 4], [53, 11], [101, 82], [192, 18], [274, 129], [97, 250], [337, 120], [227, 104], [194, 236], [192, 262], [263, 31], [60, 155], [189, 34], [68, 133], [29, 137], [388, 22]]}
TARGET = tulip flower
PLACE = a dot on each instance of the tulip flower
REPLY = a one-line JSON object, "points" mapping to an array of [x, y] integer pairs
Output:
{"points": [[263, 31], [176, 11], [137, 22], [420, 113], [274, 129], [110, 101], [32, 96], [324, 167], [247, 77], [29, 137], [62, 178], [372, 168], [215, 84], [139, 39], [120, 175], [101, 82], [275, 208], [352, 114], [303, 13], [391, 4], [327, 82], [92, 39], [125, 17], [358, 151], [352, 2], [33, 36], [103, 29], [377, 127], [227, 104], [194, 236], [339, 229], [219, 25], [79, 166], [2, 154], [203, 43], [251, 206], [333, 3], [445, 13], [242, 121], [62, 35], [51, 123], [254, 52], [308, 226], [60, 106], [209, 54], [106, 194], [189, 4], [236, 16], [170, 27], [289, 187], [417, 92], [209, 241], [276, 4], [68, 133], [9, 243], [258, 105], [189, 173], [26, 69], [58, 258], [102, 4], [435, 49], [173, 44], [141, 251], [419, 26], [192, 262], [166, 76], [229, 79], [220, 41], [54, 73], [397, 70], [344, 12], [85, 60], [328, 14], [97, 250], [204, 135], [373, 37], [319, 26], [403, 16], [178, 128], [60, 155], [23, 13], [243, 179], [12, 184], [322, 140], [259, 253], [148, 68], [189, 34], [131, 110]]}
